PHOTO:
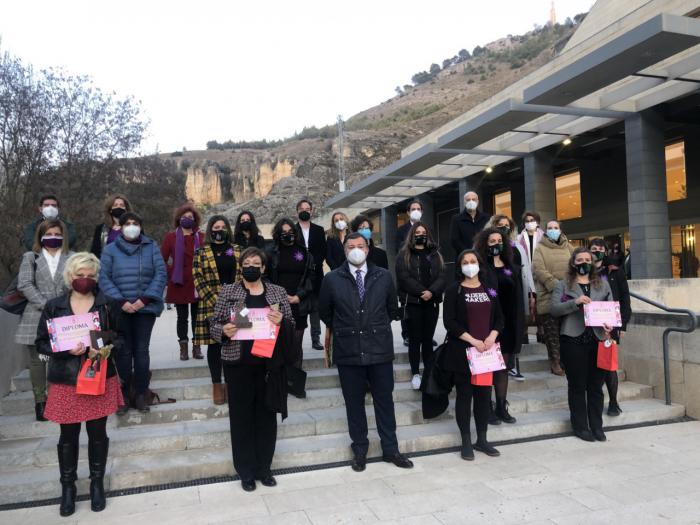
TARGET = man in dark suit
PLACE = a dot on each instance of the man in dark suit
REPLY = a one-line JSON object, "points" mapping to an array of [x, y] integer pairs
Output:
{"points": [[415, 213], [467, 224], [314, 237], [358, 302]]}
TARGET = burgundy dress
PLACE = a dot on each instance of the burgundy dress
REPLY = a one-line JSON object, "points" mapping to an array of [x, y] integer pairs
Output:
{"points": [[180, 293]]}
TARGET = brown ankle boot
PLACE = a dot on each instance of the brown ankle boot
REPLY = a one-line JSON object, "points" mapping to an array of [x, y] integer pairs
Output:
{"points": [[197, 352], [183, 351], [218, 393], [556, 368]]}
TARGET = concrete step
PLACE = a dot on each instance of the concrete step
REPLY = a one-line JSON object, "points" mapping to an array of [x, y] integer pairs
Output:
{"points": [[160, 433], [28, 483]]}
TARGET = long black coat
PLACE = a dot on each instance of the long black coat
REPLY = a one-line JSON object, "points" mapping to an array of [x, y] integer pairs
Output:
{"points": [[408, 278], [621, 291], [64, 367], [463, 229], [377, 256], [317, 248], [361, 329], [305, 287], [516, 310], [335, 253]]}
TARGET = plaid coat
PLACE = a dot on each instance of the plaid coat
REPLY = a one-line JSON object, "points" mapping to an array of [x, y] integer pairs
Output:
{"points": [[232, 297], [207, 284], [37, 285]]}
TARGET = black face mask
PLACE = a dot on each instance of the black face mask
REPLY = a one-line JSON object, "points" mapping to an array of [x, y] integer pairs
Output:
{"points": [[251, 273], [246, 226], [304, 215], [287, 238], [504, 230], [421, 240], [495, 249], [599, 256], [583, 268], [117, 212], [219, 236]]}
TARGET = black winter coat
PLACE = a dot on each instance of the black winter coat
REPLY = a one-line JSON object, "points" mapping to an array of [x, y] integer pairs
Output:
{"points": [[408, 278], [361, 329], [64, 367], [335, 253], [306, 286], [621, 291], [463, 229], [317, 248], [377, 256]]}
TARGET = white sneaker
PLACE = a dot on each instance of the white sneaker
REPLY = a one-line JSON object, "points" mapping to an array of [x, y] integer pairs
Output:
{"points": [[415, 382]]}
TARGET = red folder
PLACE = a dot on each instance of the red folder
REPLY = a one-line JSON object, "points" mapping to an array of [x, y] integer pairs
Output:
{"points": [[265, 347]]}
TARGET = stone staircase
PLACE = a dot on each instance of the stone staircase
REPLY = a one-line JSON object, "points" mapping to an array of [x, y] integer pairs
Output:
{"points": [[189, 440]]}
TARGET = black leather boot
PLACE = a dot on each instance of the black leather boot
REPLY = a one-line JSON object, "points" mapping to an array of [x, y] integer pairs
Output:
{"points": [[68, 467], [502, 411], [39, 411], [97, 455], [493, 416]]}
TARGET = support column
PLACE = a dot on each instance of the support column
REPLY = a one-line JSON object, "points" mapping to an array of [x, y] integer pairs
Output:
{"points": [[389, 220], [650, 236], [539, 186]]}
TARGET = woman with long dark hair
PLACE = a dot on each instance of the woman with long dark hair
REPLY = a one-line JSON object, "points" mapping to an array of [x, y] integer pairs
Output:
{"points": [[290, 265], [178, 251], [215, 264], [421, 283], [579, 343], [246, 232], [108, 230], [473, 318], [621, 292], [495, 248]]}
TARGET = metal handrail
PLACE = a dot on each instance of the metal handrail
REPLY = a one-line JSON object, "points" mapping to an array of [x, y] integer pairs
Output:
{"points": [[687, 330]]}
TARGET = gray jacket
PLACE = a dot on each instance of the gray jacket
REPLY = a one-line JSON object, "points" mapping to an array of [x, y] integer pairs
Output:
{"points": [[37, 285], [564, 306]]}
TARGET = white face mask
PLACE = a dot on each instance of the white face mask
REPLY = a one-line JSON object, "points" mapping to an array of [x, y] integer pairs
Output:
{"points": [[531, 226], [132, 231], [357, 256], [471, 205], [341, 225], [49, 212], [415, 215], [470, 270]]}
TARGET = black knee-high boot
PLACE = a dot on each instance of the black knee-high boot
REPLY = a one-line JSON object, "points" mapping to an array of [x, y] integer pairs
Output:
{"points": [[68, 467], [97, 453]]}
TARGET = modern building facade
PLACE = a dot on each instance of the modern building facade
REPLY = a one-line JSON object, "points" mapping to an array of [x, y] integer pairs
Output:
{"points": [[604, 138]]}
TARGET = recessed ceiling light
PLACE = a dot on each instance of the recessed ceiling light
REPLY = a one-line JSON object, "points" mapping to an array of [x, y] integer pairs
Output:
{"points": [[566, 141], [489, 169]]}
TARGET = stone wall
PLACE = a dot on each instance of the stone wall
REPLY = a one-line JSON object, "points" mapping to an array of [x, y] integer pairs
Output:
{"points": [[641, 351], [13, 358]]}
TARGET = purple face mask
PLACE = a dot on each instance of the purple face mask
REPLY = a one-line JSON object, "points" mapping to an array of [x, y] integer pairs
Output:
{"points": [[52, 242], [187, 222]]}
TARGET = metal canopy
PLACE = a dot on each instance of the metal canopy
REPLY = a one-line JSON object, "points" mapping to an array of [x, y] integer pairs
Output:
{"points": [[649, 43]]}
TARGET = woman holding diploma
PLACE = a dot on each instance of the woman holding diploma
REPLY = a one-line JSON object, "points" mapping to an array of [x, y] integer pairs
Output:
{"points": [[65, 406], [495, 247], [579, 343], [40, 279], [473, 318], [253, 381]]}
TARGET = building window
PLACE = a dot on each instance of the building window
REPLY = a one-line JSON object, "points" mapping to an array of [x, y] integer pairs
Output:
{"points": [[675, 172], [502, 204], [568, 196], [685, 252]]}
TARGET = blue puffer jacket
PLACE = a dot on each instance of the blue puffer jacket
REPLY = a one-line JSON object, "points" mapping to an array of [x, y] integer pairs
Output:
{"points": [[132, 271]]}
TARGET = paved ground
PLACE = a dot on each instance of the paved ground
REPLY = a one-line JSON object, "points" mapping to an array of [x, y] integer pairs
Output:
{"points": [[640, 476]]}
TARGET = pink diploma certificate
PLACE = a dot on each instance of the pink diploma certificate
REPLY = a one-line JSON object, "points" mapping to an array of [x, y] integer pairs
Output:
{"points": [[482, 362], [65, 333], [262, 328], [599, 313]]}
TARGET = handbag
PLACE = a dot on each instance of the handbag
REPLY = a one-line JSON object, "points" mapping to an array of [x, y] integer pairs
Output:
{"points": [[485, 379], [92, 379], [13, 301], [607, 355]]}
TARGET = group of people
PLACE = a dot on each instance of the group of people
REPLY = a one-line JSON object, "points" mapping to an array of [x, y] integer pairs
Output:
{"points": [[504, 281]]}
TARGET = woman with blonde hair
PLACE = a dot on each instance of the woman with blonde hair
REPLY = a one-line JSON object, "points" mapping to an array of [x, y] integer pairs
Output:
{"points": [[335, 254], [39, 280], [108, 230], [65, 405]]}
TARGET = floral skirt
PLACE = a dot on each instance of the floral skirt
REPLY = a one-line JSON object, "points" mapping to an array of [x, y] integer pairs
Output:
{"points": [[65, 406]]}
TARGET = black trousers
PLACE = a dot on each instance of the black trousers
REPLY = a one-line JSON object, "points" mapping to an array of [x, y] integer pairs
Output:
{"points": [[585, 384], [421, 320], [253, 425], [482, 404], [214, 362], [182, 314], [353, 381], [314, 319]]}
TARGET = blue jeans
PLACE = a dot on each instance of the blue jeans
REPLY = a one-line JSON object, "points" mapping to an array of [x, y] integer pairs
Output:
{"points": [[135, 356]]}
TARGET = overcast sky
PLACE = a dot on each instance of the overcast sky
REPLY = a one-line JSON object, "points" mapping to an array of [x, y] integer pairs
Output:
{"points": [[221, 70]]}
